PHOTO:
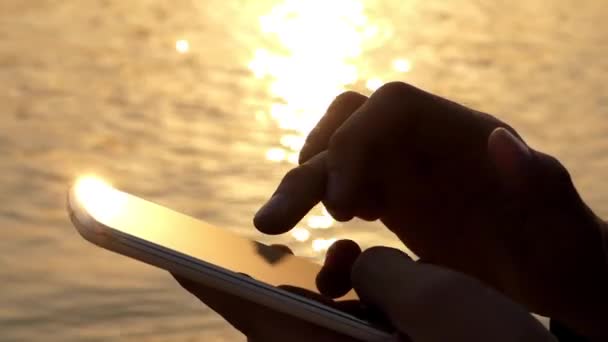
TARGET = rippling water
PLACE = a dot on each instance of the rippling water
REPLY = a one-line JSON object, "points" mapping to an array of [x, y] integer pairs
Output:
{"points": [[202, 106]]}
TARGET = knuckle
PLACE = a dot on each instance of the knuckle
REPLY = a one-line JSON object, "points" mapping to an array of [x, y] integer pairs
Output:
{"points": [[400, 104], [554, 173], [346, 97], [397, 90], [561, 174], [296, 172], [313, 169], [343, 105]]}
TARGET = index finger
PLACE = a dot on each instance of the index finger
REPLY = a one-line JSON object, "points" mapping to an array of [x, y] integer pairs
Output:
{"points": [[299, 191]]}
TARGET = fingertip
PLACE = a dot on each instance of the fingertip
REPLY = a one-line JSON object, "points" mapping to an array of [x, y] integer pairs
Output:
{"points": [[333, 279], [265, 225], [270, 217], [342, 253], [333, 283], [298, 192]]}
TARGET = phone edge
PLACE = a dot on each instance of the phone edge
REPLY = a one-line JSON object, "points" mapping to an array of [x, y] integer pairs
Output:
{"points": [[257, 291]]}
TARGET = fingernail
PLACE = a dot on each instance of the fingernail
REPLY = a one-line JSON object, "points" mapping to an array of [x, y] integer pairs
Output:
{"points": [[516, 145], [341, 253], [512, 158]]}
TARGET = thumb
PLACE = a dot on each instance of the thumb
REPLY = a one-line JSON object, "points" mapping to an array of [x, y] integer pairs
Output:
{"points": [[430, 303]]}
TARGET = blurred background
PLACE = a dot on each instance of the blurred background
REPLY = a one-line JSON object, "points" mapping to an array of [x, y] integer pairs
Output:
{"points": [[203, 105]]}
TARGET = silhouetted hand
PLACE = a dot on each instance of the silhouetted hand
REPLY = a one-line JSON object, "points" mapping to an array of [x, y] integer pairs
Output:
{"points": [[461, 189], [424, 303]]}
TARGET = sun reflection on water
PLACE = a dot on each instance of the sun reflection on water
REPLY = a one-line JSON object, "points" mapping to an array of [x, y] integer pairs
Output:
{"points": [[402, 65], [373, 84], [320, 43], [300, 234], [321, 245], [182, 46]]}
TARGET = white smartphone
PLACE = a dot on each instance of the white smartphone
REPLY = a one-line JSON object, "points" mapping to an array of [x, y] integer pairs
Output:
{"points": [[209, 255]]}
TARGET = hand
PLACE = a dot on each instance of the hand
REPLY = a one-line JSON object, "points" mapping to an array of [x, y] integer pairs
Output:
{"points": [[257, 322], [425, 303], [461, 189]]}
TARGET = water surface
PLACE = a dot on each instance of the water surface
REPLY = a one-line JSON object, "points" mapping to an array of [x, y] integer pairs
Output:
{"points": [[203, 105]]}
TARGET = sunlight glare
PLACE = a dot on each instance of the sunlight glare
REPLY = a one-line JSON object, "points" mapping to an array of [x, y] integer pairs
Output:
{"points": [[300, 234], [98, 197], [276, 154], [320, 221], [292, 158], [317, 45], [182, 46], [292, 141], [321, 245], [321, 40], [402, 65], [373, 84]]}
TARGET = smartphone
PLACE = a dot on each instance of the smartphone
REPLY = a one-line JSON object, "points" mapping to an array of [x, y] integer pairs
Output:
{"points": [[212, 256]]}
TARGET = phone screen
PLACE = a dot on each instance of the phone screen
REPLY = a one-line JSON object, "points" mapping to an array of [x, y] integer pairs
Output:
{"points": [[153, 223]]}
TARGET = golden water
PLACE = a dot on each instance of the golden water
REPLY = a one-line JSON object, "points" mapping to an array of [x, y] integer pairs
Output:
{"points": [[203, 105]]}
